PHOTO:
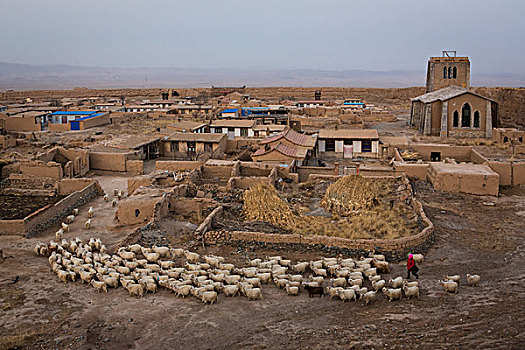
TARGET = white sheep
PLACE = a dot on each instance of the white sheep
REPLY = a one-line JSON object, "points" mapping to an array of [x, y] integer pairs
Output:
{"points": [[114, 202], [473, 280], [292, 290], [162, 251], [300, 267], [338, 282], [369, 297], [230, 291], [99, 286], [333, 291], [106, 198], [70, 219], [209, 297], [411, 291], [126, 255], [65, 227], [253, 293], [449, 286], [396, 282], [392, 294], [62, 275], [191, 257], [347, 294], [377, 285], [116, 192], [135, 289], [75, 211], [59, 234], [91, 212], [87, 224], [455, 278]]}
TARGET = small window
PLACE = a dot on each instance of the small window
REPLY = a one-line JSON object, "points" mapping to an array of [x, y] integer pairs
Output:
{"points": [[329, 146], [454, 73], [445, 72], [218, 130], [455, 119], [191, 147], [174, 147], [505, 139], [476, 119], [137, 213], [520, 139], [465, 116], [244, 132], [231, 129], [450, 72], [366, 146], [208, 148]]}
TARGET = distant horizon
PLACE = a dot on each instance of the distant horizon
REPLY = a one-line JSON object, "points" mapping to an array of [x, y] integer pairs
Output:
{"points": [[21, 76]]}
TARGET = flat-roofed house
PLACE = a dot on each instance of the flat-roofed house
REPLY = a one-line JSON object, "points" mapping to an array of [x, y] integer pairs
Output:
{"points": [[230, 113], [233, 127], [265, 130], [348, 143], [186, 145]]}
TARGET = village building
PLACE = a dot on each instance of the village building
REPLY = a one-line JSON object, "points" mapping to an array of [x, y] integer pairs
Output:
{"points": [[192, 146], [454, 112], [25, 121], [310, 104], [265, 130], [77, 120], [188, 126], [348, 143], [287, 146], [230, 113], [233, 128], [186, 109]]}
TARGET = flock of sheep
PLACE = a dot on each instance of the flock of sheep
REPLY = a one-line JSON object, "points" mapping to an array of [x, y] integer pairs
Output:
{"points": [[141, 269]]}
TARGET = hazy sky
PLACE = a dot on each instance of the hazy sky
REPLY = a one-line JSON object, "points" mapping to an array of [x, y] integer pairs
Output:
{"points": [[320, 34]]}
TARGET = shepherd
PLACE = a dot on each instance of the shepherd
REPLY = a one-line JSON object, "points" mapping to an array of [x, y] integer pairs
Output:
{"points": [[411, 266]]}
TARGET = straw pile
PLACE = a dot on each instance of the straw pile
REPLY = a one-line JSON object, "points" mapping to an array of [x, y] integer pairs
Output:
{"points": [[350, 194], [262, 203]]}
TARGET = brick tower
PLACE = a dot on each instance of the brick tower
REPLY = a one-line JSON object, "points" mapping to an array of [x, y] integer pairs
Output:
{"points": [[448, 70]]}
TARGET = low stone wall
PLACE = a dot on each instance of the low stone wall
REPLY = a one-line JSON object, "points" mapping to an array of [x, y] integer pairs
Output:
{"points": [[174, 165], [47, 216], [247, 182]]}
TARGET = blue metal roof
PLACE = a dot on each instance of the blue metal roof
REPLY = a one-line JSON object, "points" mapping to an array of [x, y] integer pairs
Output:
{"points": [[88, 117], [354, 103], [232, 110], [74, 112]]}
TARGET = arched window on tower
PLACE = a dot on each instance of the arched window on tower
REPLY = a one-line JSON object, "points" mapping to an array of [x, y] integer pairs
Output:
{"points": [[465, 116], [450, 72], [476, 119], [455, 119], [454, 73], [445, 72]]}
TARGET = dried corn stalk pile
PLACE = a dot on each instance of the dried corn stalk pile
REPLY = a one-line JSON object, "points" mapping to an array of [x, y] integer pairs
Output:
{"points": [[351, 194], [262, 203]]}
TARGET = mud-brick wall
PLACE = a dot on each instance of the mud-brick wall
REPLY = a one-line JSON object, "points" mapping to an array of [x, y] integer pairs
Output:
{"points": [[418, 171], [247, 182], [108, 161], [518, 173], [305, 172], [217, 171], [255, 169], [135, 167], [459, 153], [174, 165], [43, 218]]}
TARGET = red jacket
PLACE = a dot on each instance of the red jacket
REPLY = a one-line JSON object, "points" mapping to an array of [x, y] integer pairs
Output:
{"points": [[410, 263]]}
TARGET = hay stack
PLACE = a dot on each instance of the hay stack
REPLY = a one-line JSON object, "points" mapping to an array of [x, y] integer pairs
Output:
{"points": [[350, 194], [262, 203]]}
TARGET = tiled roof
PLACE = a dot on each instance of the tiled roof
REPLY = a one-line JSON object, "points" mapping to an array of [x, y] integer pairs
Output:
{"points": [[287, 150], [445, 94], [294, 137]]}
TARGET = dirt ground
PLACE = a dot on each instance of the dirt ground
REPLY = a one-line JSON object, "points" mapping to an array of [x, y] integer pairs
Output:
{"points": [[40, 312]]}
